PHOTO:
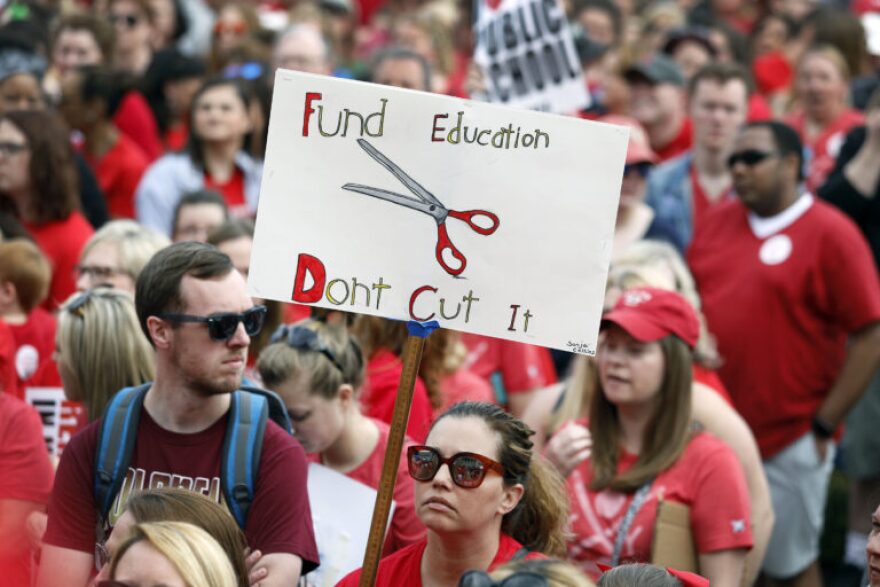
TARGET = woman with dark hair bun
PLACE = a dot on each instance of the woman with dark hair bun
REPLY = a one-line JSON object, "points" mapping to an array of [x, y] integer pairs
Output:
{"points": [[483, 496], [38, 183]]}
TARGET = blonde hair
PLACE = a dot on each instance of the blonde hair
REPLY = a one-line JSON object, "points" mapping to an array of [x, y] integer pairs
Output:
{"points": [[134, 244], [643, 263], [100, 340], [832, 54], [197, 557], [558, 573]]}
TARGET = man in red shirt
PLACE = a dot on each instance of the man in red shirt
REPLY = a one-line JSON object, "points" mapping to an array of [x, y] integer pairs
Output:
{"points": [[657, 101], [791, 293], [194, 308], [682, 190]]}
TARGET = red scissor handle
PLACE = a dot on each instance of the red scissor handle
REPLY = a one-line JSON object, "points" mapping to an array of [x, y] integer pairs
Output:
{"points": [[469, 215], [443, 243]]}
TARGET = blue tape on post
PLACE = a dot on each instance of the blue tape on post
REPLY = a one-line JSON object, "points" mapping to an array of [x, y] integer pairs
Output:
{"points": [[422, 329]]}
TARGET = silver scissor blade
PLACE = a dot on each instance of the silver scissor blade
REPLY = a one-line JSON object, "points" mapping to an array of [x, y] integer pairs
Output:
{"points": [[411, 184], [393, 197]]}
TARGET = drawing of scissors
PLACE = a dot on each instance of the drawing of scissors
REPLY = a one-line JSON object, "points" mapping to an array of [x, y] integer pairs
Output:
{"points": [[426, 202]]}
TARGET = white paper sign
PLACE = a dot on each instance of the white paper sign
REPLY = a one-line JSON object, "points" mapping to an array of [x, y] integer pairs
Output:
{"points": [[59, 415], [527, 55], [342, 511], [341, 224]]}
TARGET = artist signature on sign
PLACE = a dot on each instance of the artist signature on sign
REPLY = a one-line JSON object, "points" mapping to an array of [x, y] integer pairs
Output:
{"points": [[581, 348]]}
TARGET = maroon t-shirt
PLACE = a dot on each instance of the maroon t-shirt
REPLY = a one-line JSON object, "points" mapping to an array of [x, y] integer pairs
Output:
{"points": [[279, 520]]}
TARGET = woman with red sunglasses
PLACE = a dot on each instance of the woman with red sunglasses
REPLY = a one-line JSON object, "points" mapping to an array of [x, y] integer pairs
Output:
{"points": [[483, 497]]}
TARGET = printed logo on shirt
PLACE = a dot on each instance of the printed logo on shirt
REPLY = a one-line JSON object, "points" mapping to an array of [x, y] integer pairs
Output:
{"points": [[27, 359], [775, 250], [136, 481], [635, 298], [738, 526]]}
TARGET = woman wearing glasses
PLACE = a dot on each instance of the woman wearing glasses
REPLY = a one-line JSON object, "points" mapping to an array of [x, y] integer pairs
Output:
{"points": [[318, 370], [38, 185], [647, 450], [483, 496]]}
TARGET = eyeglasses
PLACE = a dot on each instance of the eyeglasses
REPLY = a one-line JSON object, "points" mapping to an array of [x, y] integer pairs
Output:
{"points": [[300, 337], [467, 469], [129, 20], [643, 169], [76, 306], [520, 579], [9, 149], [749, 157], [222, 327], [102, 556], [98, 272]]}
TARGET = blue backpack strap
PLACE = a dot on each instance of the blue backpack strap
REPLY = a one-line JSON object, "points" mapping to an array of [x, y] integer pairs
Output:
{"points": [[242, 446], [277, 409], [116, 444]]}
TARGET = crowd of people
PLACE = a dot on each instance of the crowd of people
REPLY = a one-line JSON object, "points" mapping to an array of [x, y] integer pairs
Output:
{"points": [[738, 365]]}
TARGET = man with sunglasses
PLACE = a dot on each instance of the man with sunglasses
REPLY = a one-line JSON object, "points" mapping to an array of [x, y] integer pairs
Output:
{"points": [[195, 310], [790, 292], [682, 190]]}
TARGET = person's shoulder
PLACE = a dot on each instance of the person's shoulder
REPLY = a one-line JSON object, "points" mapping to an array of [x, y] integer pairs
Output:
{"points": [[393, 569], [14, 411], [703, 447], [673, 168]]}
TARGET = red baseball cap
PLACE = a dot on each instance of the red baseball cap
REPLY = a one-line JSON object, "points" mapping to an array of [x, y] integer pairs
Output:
{"points": [[649, 314]]}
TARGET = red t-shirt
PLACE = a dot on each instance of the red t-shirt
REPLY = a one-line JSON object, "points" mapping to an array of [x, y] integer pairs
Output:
{"points": [[232, 191], [521, 367], [679, 145], [759, 109], [279, 520], [710, 379], [61, 241], [406, 528], [25, 475], [118, 173], [707, 478], [34, 344], [136, 120], [463, 386], [404, 567], [826, 145], [380, 391], [701, 202], [781, 308], [8, 377]]}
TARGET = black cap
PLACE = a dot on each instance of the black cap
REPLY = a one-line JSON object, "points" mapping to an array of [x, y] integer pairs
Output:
{"points": [[658, 69]]}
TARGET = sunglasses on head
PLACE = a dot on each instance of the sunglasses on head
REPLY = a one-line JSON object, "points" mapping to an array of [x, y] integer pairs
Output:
{"points": [[749, 157], [223, 326], [467, 469], [302, 338], [519, 579]]}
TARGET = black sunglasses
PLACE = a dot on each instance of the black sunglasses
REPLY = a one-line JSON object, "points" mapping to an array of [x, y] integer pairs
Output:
{"points": [[749, 157], [467, 469], [302, 338], [519, 579], [643, 169], [223, 326]]}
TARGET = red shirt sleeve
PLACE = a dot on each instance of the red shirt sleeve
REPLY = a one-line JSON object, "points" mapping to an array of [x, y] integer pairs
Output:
{"points": [[720, 515], [280, 519], [25, 470]]}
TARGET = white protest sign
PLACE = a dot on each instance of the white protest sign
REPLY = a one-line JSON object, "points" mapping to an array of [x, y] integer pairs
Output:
{"points": [[60, 416], [527, 55], [365, 201], [341, 512]]}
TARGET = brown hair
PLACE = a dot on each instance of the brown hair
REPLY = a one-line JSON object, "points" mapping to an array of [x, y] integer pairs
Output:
{"points": [[721, 73], [671, 422], [539, 520], [181, 505], [832, 54], [576, 395], [54, 185], [100, 29], [375, 333], [158, 286], [23, 265], [280, 362]]}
